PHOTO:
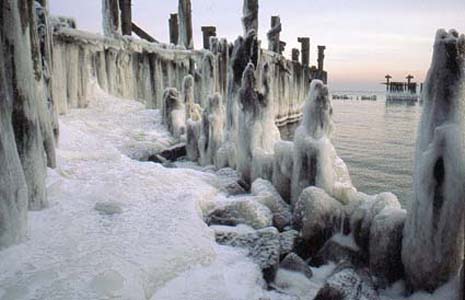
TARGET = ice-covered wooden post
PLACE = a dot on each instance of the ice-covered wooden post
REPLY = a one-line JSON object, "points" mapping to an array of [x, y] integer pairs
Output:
{"points": [[321, 57], [295, 55], [13, 189], [126, 17], [111, 17], [274, 34], [433, 242], [305, 53], [185, 24], [174, 29], [208, 32], [250, 16]]}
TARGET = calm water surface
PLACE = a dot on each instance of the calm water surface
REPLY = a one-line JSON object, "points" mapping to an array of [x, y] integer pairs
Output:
{"points": [[377, 141]]}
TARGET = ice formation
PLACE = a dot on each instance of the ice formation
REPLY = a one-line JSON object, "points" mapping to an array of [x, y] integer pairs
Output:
{"points": [[434, 231], [174, 113], [211, 132], [315, 160]]}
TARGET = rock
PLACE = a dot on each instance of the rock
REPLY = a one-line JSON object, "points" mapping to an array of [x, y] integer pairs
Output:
{"points": [[263, 245], [317, 216], [287, 241], [268, 196], [338, 249], [295, 263], [171, 154], [244, 211], [386, 245], [347, 283], [230, 181], [364, 214], [108, 208]]}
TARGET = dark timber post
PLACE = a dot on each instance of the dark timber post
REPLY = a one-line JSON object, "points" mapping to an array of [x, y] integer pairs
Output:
{"points": [[208, 31], [274, 34], [305, 41], [250, 16], [321, 57], [126, 17], [174, 29], [185, 24], [295, 55]]}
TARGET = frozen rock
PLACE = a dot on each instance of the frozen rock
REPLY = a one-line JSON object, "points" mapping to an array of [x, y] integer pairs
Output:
{"points": [[244, 211], [363, 215], [432, 247], [263, 245], [337, 249], [211, 133], [13, 189], [318, 216], [295, 263], [386, 245], [288, 240], [282, 168], [108, 208], [231, 182], [346, 283], [174, 113], [268, 196]]}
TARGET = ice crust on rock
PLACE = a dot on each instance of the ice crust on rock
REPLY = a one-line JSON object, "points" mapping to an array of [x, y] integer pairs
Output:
{"points": [[432, 248]]}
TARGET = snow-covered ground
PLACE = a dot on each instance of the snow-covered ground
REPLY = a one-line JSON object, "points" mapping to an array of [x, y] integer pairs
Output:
{"points": [[119, 228]]}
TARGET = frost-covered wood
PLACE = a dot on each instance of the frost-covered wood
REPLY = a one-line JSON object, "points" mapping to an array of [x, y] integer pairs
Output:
{"points": [[434, 231], [13, 189], [274, 34], [111, 19], [16, 28], [185, 24], [250, 16]]}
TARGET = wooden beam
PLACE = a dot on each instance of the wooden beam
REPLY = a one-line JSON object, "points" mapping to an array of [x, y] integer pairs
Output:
{"points": [[126, 17], [142, 34]]}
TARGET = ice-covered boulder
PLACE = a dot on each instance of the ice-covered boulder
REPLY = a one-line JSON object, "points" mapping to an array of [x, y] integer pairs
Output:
{"points": [[174, 113], [314, 155], [243, 211], [293, 262], [337, 249], [268, 196], [386, 245], [347, 283], [212, 130], [282, 168], [288, 240], [318, 216], [263, 245], [362, 217], [432, 247]]}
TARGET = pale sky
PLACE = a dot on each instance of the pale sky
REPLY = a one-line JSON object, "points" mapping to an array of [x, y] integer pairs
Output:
{"points": [[365, 39]]}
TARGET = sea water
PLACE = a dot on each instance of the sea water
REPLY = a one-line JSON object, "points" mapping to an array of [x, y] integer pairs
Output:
{"points": [[376, 139]]}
